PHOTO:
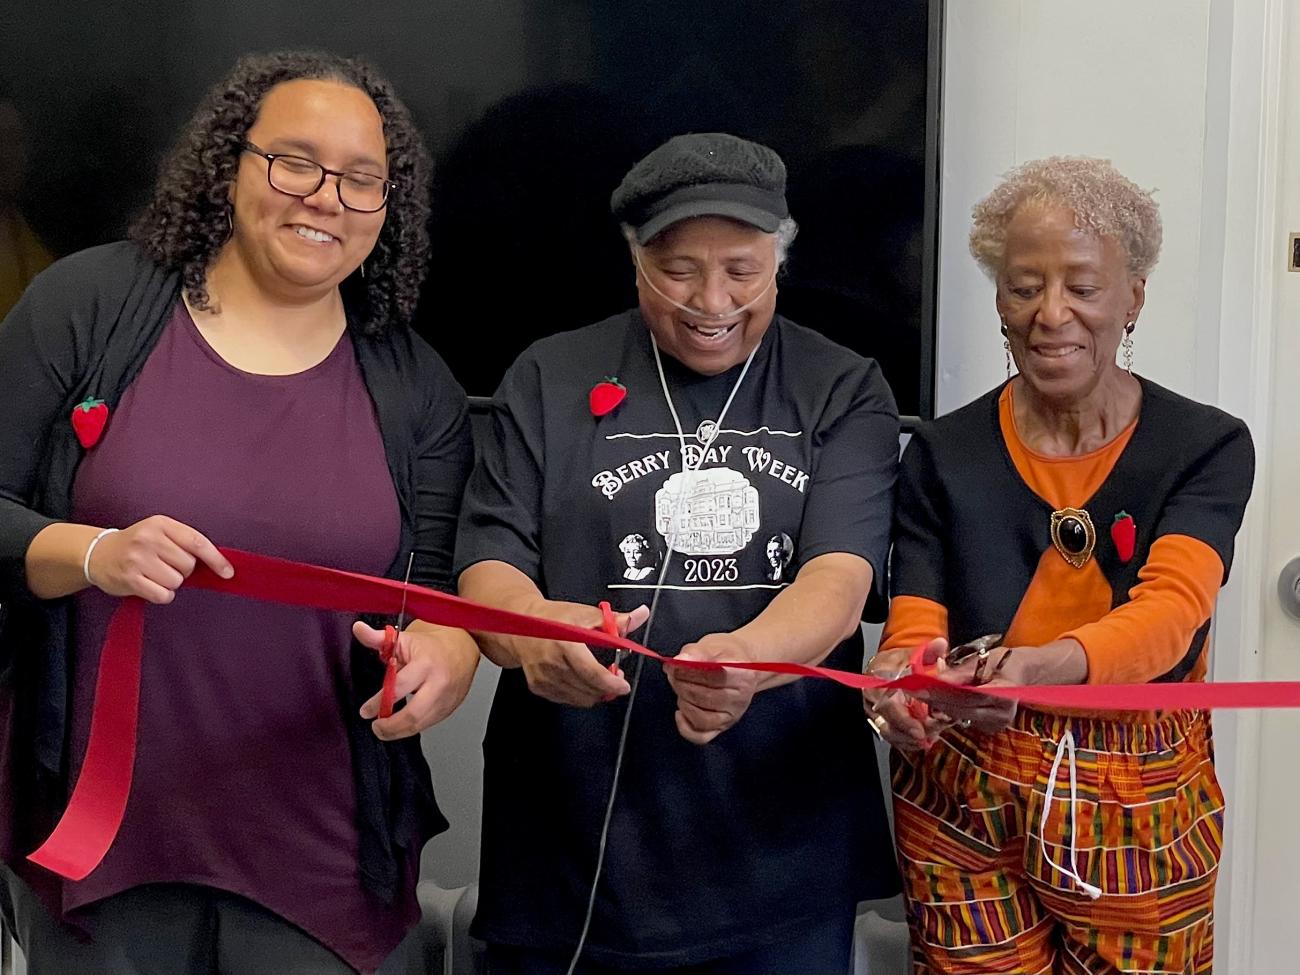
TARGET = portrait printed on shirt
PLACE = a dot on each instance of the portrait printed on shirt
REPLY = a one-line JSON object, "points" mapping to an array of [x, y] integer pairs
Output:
{"points": [[641, 556], [780, 549]]}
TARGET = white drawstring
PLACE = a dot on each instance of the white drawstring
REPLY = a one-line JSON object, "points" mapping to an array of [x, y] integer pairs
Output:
{"points": [[1066, 744]]}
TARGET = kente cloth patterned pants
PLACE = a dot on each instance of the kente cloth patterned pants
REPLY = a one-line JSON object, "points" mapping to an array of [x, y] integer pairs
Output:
{"points": [[992, 887]]}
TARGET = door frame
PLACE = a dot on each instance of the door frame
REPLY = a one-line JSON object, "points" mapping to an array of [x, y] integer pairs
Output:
{"points": [[1242, 201]]}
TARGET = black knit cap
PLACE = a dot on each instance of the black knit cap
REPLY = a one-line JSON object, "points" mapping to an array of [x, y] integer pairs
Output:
{"points": [[704, 174]]}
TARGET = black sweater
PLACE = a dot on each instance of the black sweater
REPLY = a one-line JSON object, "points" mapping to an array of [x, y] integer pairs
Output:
{"points": [[969, 533]]}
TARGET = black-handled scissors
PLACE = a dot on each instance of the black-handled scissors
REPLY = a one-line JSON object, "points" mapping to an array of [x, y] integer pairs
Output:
{"points": [[980, 648]]}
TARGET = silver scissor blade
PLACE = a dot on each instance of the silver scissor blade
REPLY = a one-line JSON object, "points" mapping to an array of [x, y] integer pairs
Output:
{"points": [[406, 584]]}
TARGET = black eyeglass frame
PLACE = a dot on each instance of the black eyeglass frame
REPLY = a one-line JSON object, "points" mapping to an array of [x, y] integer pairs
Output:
{"points": [[325, 174]]}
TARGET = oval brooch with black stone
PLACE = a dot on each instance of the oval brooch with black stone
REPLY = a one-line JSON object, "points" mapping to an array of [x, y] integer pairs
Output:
{"points": [[1073, 535]]}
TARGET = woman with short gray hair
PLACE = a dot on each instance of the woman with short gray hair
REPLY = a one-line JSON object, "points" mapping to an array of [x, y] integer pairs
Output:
{"points": [[1071, 526]]}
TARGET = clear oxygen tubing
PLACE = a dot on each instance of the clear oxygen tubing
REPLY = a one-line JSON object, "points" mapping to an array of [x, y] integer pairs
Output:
{"points": [[696, 313], [688, 471]]}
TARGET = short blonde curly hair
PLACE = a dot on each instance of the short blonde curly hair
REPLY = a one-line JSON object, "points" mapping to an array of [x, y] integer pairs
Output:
{"points": [[1103, 200]]}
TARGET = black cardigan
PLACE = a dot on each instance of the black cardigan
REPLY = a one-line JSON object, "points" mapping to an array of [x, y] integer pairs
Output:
{"points": [[85, 328], [969, 533]]}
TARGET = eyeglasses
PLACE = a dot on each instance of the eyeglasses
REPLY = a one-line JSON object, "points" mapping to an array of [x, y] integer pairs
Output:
{"points": [[301, 177]]}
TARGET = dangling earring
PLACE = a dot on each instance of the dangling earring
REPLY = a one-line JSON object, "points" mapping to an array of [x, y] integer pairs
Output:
{"points": [[1006, 347], [363, 270], [1128, 347], [230, 222]]}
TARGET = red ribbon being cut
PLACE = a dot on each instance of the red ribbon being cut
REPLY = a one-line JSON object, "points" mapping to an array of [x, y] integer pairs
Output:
{"points": [[94, 813]]}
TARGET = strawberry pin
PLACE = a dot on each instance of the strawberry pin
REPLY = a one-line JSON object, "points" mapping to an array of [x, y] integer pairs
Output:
{"points": [[606, 395], [89, 417], [1123, 532]]}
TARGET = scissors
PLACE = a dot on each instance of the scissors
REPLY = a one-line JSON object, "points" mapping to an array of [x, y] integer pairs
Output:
{"points": [[980, 647], [388, 650], [609, 626]]}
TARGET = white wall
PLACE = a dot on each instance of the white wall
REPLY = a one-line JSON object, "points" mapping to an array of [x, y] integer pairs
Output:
{"points": [[1184, 96], [1122, 79]]}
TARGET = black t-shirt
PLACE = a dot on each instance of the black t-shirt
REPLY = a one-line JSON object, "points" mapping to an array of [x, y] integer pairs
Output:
{"points": [[717, 848]]}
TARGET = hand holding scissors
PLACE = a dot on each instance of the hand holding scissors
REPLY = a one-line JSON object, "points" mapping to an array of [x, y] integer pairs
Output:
{"points": [[910, 723], [432, 667]]}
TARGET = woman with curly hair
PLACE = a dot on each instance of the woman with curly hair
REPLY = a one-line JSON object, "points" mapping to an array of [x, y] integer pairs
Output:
{"points": [[241, 373], [1071, 526]]}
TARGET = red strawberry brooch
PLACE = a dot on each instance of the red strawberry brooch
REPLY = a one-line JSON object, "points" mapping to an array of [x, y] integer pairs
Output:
{"points": [[89, 418], [1123, 532], [606, 395]]}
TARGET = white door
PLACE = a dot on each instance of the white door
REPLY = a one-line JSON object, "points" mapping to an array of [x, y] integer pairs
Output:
{"points": [[1276, 861], [1259, 379]]}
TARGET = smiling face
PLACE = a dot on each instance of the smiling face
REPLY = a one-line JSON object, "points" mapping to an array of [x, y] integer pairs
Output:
{"points": [[306, 246], [717, 266], [1065, 296]]}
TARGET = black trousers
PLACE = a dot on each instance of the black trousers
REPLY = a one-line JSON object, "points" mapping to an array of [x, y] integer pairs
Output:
{"points": [[174, 929], [823, 948]]}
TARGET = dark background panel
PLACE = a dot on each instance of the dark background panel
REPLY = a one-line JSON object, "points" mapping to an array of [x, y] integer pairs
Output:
{"points": [[534, 109]]}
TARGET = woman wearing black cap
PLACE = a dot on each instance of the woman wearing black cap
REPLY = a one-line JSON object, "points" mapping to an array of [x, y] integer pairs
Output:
{"points": [[745, 827]]}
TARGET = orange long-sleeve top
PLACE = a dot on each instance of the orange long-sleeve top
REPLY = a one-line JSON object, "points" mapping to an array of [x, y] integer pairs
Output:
{"points": [[1132, 643]]}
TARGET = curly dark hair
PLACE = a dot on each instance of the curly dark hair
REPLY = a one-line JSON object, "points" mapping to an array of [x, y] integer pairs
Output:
{"points": [[187, 221]]}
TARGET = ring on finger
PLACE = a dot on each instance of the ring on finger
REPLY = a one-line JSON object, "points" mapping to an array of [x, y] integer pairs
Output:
{"points": [[981, 662], [878, 724]]}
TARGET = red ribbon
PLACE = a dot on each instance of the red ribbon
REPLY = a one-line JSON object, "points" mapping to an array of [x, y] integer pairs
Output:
{"points": [[94, 814]]}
